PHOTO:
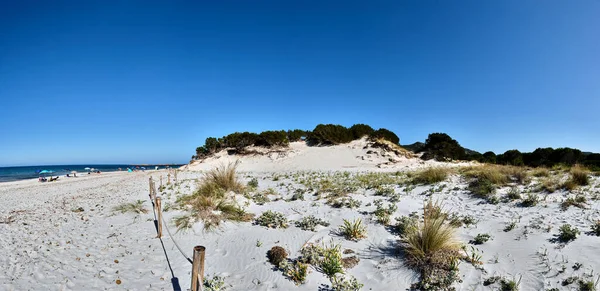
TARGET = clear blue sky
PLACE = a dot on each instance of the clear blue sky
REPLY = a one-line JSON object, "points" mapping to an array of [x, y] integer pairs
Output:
{"points": [[148, 81]]}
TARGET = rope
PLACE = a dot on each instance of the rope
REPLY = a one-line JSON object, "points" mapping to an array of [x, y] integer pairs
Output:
{"points": [[167, 228], [175, 242]]}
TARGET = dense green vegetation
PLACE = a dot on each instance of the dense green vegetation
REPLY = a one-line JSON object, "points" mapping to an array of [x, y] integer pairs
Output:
{"points": [[322, 134], [439, 146]]}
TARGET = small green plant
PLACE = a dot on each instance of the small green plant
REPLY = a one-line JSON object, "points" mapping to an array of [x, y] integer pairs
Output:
{"points": [[405, 222], [531, 200], [215, 283], [135, 207], [589, 285], [596, 228], [296, 272], [311, 254], [510, 226], [481, 187], [332, 260], [384, 191], [260, 198], [457, 220], [491, 280], [276, 255], [253, 183], [510, 285], [513, 193], [480, 239], [567, 233], [383, 214], [272, 219], [310, 223], [569, 280], [258, 243], [579, 201], [354, 230], [341, 283]]}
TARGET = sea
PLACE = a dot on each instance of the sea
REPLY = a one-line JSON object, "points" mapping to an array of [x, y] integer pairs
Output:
{"points": [[8, 174]]}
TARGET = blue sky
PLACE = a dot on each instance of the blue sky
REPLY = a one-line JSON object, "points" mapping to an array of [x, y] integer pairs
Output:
{"points": [[148, 81]]}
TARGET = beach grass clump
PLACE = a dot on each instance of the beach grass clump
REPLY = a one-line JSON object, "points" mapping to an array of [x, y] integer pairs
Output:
{"points": [[540, 172], [272, 219], [578, 201], [482, 188], [549, 184], [353, 230], [222, 177], [260, 198], [310, 223], [403, 223], [133, 207], [331, 264], [595, 228], [276, 255], [578, 176], [430, 176], [373, 180], [253, 183], [457, 220], [431, 248], [214, 201], [567, 233], [343, 283]]}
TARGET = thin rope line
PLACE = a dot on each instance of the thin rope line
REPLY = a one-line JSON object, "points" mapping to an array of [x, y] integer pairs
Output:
{"points": [[175, 242]]}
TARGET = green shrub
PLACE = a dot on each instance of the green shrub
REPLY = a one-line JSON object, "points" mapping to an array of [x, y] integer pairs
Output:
{"points": [[388, 135], [276, 255], [272, 138], [442, 147], [360, 130], [383, 214], [272, 219], [329, 134], [311, 254], [354, 230], [405, 222], [513, 193], [589, 285], [310, 223], [240, 140], [296, 134], [567, 233]]}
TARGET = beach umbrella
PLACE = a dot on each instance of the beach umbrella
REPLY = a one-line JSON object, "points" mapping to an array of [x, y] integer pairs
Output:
{"points": [[45, 172], [87, 168]]}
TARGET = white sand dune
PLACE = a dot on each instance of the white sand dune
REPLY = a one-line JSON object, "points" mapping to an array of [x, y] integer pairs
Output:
{"points": [[48, 244]]}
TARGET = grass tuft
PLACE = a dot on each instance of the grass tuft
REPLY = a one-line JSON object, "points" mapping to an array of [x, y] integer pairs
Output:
{"points": [[135, 207], [354, 230], [430, 176]]}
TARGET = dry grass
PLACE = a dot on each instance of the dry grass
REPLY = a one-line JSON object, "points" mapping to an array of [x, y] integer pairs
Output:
{"points": [[498, 174], [540, 172], [213, 202], [432, 243], [580, 175], [430, 175], [390, 146], [135, 207], [549, 184]]}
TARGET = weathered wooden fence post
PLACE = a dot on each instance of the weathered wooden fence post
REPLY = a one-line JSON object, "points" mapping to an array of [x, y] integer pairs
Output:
{"points": [[159, 213], [198, 268], [150, 185], [160, 182], [169, 178]]}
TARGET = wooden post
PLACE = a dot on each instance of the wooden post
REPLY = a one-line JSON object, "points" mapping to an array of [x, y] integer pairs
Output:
{"points": [[160, 181], [198, 268], [159, 211], [175, 178], [169, 179], [151, 184]]}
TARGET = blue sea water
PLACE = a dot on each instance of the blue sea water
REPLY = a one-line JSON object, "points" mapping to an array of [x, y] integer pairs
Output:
{"points": [[8, 174]]}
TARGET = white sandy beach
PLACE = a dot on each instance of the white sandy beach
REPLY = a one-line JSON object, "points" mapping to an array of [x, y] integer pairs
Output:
{"points": [[48, 244]]}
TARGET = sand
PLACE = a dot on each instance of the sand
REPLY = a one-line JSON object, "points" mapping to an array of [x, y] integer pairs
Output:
{"points": [[48, 244]]}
